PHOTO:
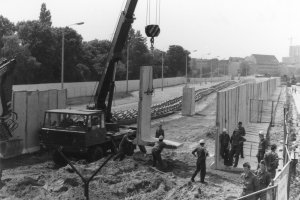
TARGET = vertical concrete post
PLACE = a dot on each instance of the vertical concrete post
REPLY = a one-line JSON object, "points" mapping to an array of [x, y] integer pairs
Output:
{"points": [[145, 101], [188, 101]]}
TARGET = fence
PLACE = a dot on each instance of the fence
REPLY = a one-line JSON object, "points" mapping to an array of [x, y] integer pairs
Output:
{"points": [[280, 186]]}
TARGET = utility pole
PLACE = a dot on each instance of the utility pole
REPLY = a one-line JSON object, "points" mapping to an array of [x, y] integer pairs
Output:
{"points": [[127, 64], [162, 71]]}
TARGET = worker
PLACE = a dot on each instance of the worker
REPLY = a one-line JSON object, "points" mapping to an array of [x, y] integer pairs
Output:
{"points": [[263, 178], [125, 147], [262, 146], [160, 131], [249, 180], [271, 160], [157, 149], [202, 153], [224, 146], [235, 142], [243, 134]]}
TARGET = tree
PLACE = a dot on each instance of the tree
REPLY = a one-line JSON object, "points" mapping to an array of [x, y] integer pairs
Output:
{"points": [[26, 65], [45, 16], [176, 60], [139, 53], [6, 28], [94, 55]]}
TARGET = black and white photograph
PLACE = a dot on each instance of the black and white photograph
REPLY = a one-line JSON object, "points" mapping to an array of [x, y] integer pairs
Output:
{"points": [[149, 100]]}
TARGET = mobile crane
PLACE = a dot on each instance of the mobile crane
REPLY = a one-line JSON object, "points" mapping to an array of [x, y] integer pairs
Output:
{"points": [[7, 117], [92, 132]]}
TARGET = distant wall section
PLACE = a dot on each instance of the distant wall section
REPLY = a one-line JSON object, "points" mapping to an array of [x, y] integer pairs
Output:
{"points": [[81, 89], [30, 107], [233, 105]]}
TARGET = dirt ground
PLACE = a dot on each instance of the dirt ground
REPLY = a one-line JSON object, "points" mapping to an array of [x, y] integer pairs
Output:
{"points": [[35, 176]]}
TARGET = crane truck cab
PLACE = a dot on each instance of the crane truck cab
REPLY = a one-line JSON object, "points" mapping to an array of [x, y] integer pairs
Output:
{"points": [[80, 133]]}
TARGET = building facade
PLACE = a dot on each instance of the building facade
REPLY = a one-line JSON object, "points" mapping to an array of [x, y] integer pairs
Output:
{"points": [[263, 64]]}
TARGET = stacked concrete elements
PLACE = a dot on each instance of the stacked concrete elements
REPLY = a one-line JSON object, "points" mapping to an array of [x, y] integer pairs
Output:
{"points": [[81, 89], [188, 101], [30, 108], [233, 105]]}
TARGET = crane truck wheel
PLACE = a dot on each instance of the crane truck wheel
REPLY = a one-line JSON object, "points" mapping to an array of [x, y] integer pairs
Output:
{"points": [[58, 159], [95, 153]]}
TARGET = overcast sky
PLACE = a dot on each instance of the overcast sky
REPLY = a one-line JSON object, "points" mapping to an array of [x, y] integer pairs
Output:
{"points": [[222, 28]]}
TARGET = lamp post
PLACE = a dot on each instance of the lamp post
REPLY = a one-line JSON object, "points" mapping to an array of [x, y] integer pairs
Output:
{"points": [[63, 53], [186, 67], [162, 71]]}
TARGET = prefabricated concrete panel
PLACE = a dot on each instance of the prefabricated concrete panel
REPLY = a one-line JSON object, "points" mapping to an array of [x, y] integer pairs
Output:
{"points": [[61, 99], [43, 105], [188, 101], [32, 125], [145, 101], [52, 99], [20, 107]]}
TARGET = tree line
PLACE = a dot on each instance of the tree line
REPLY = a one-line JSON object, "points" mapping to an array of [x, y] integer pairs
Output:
{"points": [[37, 45]]}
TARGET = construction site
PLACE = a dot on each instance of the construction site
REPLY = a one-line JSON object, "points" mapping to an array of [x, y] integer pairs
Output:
{"points": [[56, 144]]}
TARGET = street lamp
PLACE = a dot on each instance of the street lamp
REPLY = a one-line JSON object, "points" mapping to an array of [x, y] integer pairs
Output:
{"points": [[162, 71], [186, 66], [63, 52]]}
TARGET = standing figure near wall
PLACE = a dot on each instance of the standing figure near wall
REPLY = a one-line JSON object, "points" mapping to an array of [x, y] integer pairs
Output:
{"points": [[250, 183], [235, 141], [272, 161], [262, 146], [202, 153], [224, 146], [243, 134], [160, 131], [264, 179]]}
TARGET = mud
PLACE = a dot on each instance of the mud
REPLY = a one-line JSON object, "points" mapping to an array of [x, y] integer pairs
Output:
{"points": [[36, 177]]}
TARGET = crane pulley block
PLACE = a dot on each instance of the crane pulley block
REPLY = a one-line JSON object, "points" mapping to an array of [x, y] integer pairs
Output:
{"points": [[152, 30]]}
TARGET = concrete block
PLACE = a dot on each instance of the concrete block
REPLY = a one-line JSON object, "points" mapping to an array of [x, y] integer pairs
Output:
{"points": [[145, 101], [20, 107], [32, 126], [188, 101]]}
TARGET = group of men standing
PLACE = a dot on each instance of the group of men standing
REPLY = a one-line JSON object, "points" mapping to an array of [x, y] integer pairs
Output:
{"points": [[261, 178], [236, 142], [232, 147]]}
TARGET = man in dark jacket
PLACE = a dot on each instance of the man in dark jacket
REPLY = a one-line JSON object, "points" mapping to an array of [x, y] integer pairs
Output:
{"points": [[160, 131], [262, 146], [202, 153], [271, 160], [235, 142], [250, 183], [224, 146], [264, 179], [156, 151], [125, 147], [243, 134]]}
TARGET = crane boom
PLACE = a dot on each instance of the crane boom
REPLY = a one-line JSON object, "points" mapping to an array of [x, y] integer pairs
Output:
{"points": [[107, 81]]}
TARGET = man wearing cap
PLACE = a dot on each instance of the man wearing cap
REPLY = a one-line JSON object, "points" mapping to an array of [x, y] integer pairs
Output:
{"points": [[224, 146], [202, 153], [243, 133], [262, 146], [157, 149], [160, 131], [264, 179], [271, 160], [249, 180], [235, 141]]}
